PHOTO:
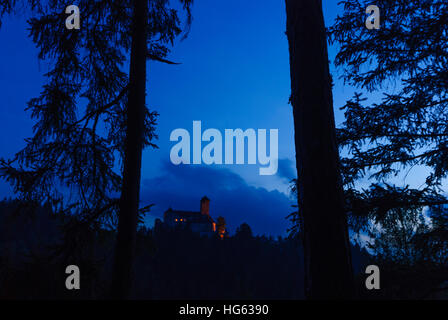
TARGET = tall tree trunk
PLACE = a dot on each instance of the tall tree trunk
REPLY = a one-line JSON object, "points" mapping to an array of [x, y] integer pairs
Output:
{"points": [[320, 194], [129, 202]]}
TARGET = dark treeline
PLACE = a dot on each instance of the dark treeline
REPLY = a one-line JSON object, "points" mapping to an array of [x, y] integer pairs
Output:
{"points": [[405, 226], [170, 264]]}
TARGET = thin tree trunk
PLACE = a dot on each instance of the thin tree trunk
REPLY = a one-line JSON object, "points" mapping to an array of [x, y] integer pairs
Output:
{"points": [[320, 195], [129, 202]]}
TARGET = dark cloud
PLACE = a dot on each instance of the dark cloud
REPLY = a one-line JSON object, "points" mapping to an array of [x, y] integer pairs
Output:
{"points": [[286, 169], [182, 187]]}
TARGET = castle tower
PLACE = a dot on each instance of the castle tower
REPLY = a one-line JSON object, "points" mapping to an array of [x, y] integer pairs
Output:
{"points": [[205, 206]]}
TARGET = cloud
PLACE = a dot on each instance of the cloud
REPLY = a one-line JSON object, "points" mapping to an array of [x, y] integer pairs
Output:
{"points": [[182, 187], [286, 169]]}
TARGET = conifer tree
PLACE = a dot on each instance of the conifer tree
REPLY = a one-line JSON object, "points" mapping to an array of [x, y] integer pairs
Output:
{"points": [[91, 117], [408, 128], [406, 61]]}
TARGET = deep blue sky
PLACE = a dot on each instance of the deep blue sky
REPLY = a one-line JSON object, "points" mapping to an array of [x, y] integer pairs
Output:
{"points": [[234, 74]]}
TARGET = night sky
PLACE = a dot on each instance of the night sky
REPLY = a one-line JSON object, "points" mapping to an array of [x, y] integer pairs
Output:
{"points": [[234, 74]]}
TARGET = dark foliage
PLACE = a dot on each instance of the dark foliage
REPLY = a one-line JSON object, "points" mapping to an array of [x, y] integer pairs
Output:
{"points": [[406, 60], [74, 160], [170, 264], [408, 127], [319, 187]]}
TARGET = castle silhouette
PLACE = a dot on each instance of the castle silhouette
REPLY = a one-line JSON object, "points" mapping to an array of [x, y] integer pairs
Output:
{"points": [[197, 221]]}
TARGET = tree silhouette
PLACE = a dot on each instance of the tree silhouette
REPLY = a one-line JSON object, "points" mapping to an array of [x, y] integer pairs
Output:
{"points": [[320, 194], [243, 232], [413, 256], [410, 49], [406, 129], [91, 117]]}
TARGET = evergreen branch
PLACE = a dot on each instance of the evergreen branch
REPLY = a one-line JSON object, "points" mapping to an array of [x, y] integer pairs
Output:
{"points": [[102, 109], [402, 160], [159, 59]]}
